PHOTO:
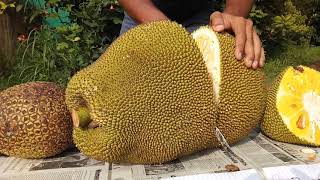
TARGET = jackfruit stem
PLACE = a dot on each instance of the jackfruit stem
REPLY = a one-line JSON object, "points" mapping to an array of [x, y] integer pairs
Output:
{"points": [[81, 117]]}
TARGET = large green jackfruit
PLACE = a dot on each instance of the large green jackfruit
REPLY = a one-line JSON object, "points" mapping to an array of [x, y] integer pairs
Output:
{"points": [[151, 94], [151, 97], [34, 120]]}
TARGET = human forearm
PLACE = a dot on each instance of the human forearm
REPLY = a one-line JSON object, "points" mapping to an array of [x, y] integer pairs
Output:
{"points": [[238, 7], [142, 11]]}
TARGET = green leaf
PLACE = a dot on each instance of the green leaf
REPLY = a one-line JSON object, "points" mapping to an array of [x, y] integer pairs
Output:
{"points": [[34, 15], [91, 24], [19, 7], [76, 39], [53, 2], [116, 20], [62, 46], [12, 5]]}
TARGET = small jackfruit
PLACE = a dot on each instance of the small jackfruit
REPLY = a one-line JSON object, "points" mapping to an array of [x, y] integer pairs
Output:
{"points": [[154, 97], [292, 113], [34, 121]]}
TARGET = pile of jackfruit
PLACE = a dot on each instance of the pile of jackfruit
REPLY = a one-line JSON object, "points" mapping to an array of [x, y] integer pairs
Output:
{"points": [[159, 93]]}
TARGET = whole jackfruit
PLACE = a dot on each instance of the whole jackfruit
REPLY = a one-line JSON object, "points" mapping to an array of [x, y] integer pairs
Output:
{"points": [[152, 98], [151, 95], [34, 121], [292, 113]]}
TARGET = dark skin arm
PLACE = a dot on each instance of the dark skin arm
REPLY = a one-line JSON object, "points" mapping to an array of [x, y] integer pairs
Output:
{"points": [[234, 19], [142, 11], [238, 9]]}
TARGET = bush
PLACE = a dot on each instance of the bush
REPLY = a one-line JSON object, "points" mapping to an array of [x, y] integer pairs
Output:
{"points": [[55, 52], [311, 9], [282, 23]]}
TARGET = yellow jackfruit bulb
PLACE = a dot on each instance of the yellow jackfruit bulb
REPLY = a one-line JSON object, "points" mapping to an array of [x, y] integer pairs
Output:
{"points": [[34, 121], [292, 113], [150, 96], [240, 91]]}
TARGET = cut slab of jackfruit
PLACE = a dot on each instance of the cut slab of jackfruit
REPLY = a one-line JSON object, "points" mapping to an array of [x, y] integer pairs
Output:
{"points": [[297, 102]]}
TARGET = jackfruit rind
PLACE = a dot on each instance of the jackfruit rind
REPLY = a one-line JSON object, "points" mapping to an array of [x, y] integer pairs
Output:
{"points": [[286, 107], [34, 121], [151, 95], [240, 91]]}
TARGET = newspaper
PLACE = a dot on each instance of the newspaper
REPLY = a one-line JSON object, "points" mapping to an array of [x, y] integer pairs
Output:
{"points": [[253, 154]]}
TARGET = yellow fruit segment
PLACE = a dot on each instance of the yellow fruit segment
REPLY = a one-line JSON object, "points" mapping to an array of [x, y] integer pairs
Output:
{"points": [[298, 103]]}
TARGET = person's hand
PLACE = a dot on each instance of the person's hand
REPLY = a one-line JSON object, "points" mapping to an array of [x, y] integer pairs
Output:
{"points": [[248, 44]]}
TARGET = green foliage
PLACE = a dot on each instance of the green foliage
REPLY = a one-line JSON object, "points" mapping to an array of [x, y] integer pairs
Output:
{"points": [[49, 56], [55, 53], [4, 6], [282, 23], [291, 26], [311, 9]]}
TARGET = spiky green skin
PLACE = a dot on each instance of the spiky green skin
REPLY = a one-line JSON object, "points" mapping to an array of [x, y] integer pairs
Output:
{"points": [[242, 94], [34, 121], [272, 124], [152, 95]]}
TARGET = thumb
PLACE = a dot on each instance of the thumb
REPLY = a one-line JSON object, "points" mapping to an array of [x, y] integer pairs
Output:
{"points": [[216, 21]]}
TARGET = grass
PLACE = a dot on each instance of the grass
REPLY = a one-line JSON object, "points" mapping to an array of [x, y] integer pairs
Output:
{"points": [[47, 56], [294, 56]]}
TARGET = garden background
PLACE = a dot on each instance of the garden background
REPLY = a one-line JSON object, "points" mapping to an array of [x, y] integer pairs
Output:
{"points": [[51, 40]]}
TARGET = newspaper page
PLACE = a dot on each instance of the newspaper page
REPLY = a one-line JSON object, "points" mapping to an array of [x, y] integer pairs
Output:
{"points": [[244, 159], [66, 166]]}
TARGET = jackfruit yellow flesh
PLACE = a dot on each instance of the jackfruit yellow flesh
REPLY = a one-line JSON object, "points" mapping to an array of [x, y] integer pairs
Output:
{"points": [[240, 91], [296, 101], [151, 95]]}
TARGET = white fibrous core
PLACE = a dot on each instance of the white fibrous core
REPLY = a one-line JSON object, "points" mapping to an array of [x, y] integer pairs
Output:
{"points": [[311, 103], [208, 44]]}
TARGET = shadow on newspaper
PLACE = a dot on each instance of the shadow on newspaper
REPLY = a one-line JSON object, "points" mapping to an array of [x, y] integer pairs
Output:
{"points": [[70, 159]]}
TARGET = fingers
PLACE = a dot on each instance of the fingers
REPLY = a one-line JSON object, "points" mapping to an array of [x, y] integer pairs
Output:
{"points": [[217, 22], [239, 28], [249, 48], [257, 50], [248, 44], [262, 58]]}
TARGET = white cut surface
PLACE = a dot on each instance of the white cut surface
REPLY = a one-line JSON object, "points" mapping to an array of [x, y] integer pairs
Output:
{"points": [[208, 44]]}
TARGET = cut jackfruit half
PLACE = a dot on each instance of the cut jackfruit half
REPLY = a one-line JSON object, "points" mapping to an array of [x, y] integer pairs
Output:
{"points": [[296, 98], [240, 91]]}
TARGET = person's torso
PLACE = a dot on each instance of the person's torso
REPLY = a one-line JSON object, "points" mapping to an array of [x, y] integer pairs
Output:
{"points": [[179, 10]]}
